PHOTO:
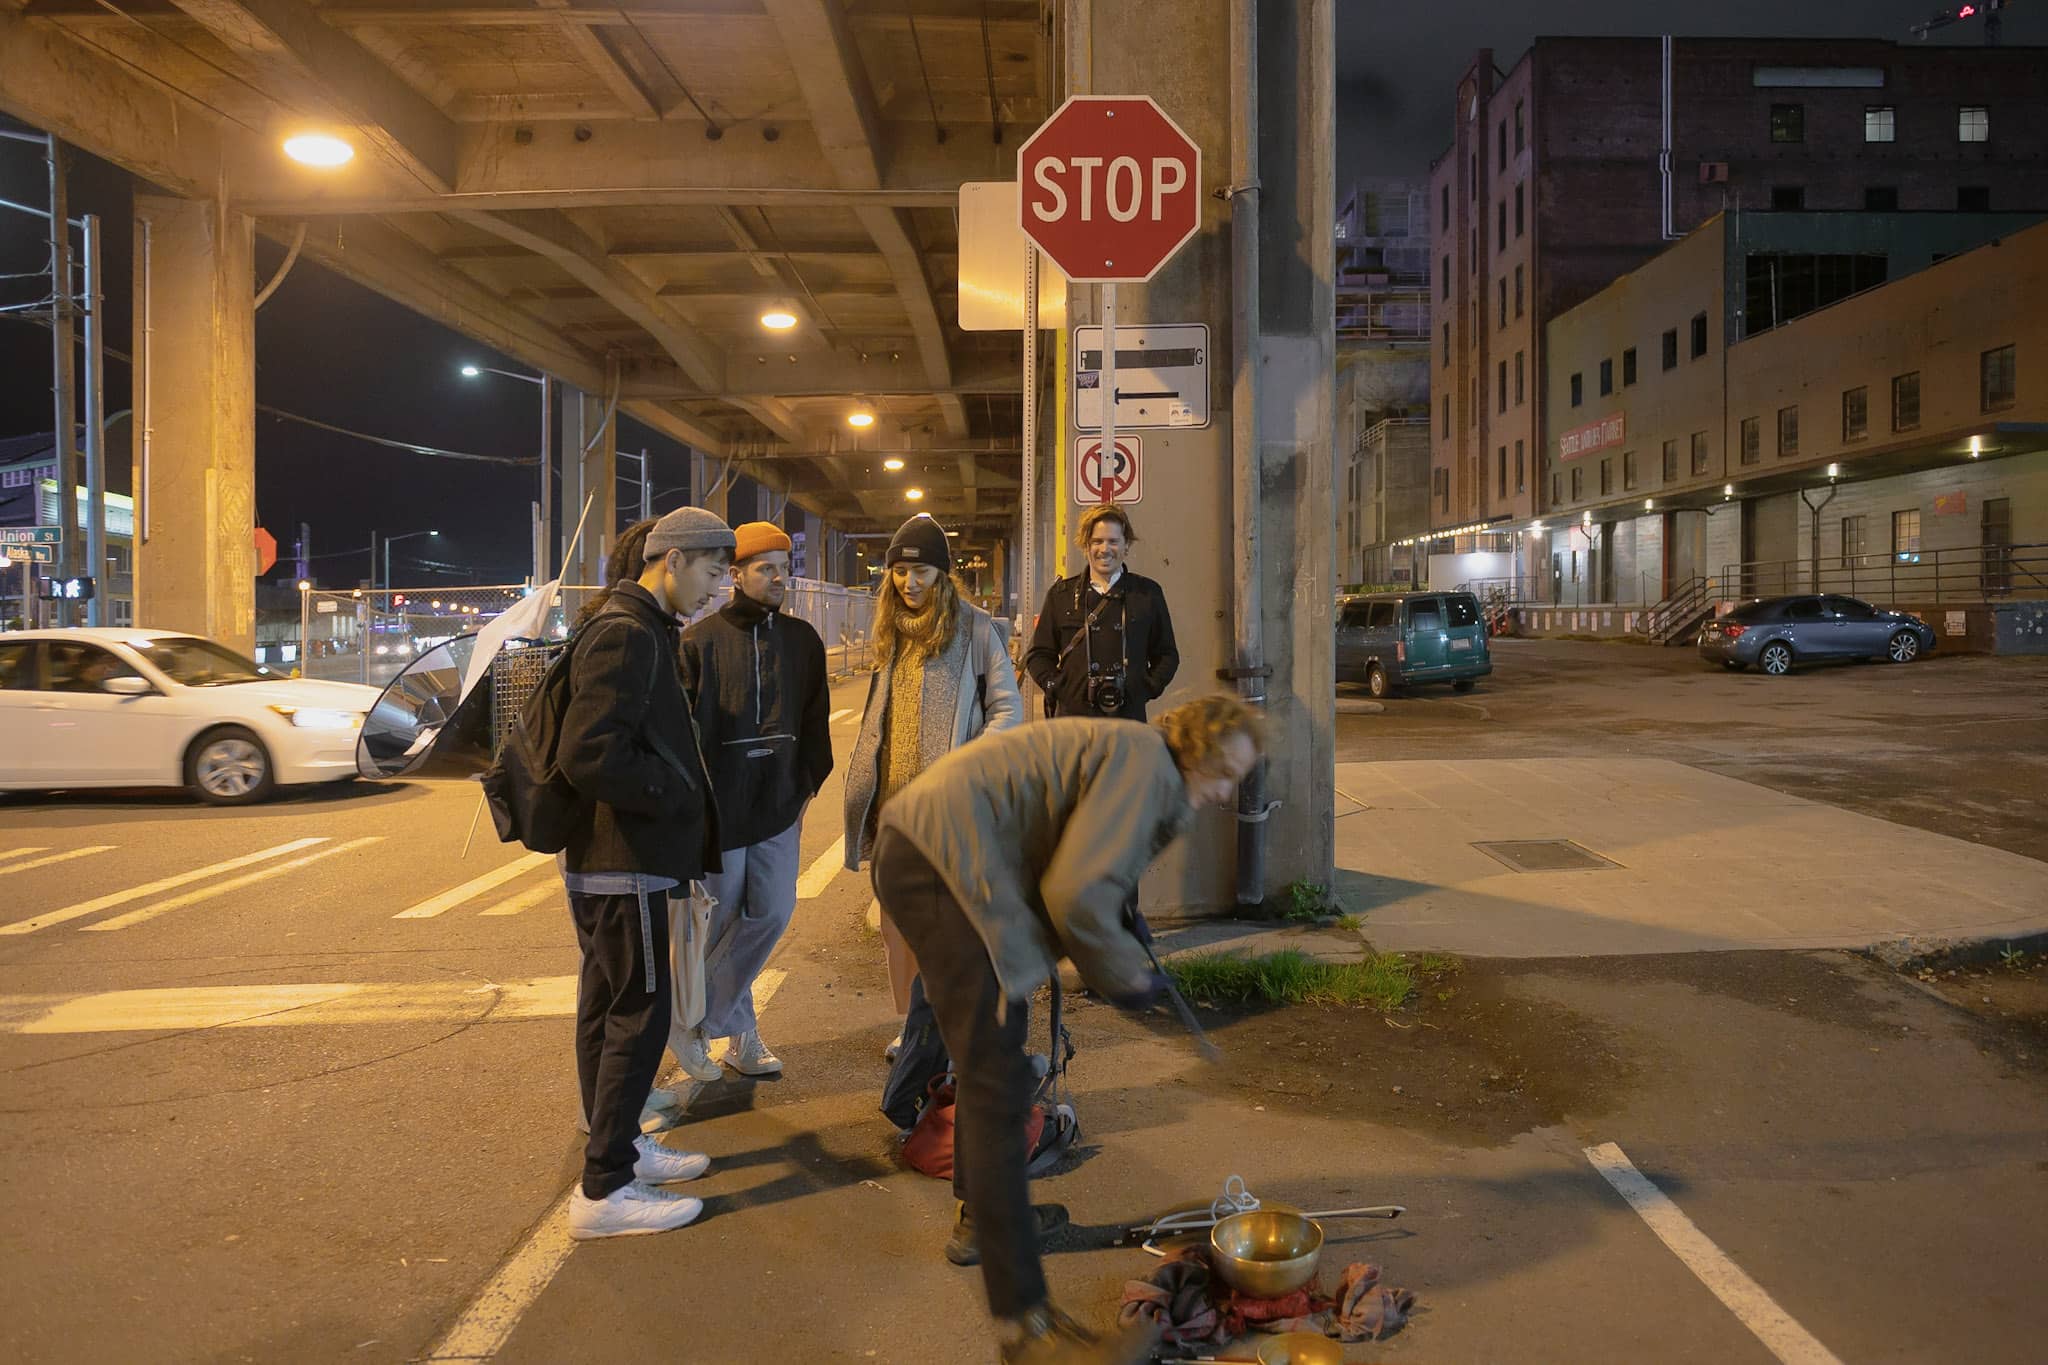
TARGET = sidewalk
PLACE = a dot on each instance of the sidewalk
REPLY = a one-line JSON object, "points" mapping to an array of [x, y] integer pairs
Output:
{"points": [[1698, 862]]}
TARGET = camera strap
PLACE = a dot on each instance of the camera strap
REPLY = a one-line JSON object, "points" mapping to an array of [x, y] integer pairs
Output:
{"points": [[1081, 635]]}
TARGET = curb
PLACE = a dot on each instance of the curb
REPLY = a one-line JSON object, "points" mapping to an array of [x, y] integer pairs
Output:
{"points": [[1910, 955]]}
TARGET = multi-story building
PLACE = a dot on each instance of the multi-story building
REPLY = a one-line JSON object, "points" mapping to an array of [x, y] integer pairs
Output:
{"points": [[1385, 491], [1750, 410], [28, 497], [1594, 154]]}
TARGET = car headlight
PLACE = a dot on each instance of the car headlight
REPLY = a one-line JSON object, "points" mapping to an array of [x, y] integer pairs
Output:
{"points": [[308, 718]]}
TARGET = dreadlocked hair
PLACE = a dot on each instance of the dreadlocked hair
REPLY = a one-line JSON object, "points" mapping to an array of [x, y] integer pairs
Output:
{"points": [[628, 561], [934, 627]]}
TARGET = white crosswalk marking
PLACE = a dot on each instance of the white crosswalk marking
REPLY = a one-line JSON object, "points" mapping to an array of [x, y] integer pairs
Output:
{"points": [[135, 893], [841, 714], [820, 874], [527, 899], [475, 886], [149, 912], [56, 858], [330, 1002]]}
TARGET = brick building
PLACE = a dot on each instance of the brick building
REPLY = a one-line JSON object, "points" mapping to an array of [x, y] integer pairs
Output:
{"points": [[1594, 154], [1889, 441]]}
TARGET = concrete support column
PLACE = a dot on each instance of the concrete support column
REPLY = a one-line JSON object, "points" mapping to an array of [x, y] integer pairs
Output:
{"points": [[596, 455], [195, 395]]}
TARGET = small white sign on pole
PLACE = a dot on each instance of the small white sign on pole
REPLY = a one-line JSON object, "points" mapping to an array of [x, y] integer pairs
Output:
{"points": [[1161, 376], [1096, 480]]}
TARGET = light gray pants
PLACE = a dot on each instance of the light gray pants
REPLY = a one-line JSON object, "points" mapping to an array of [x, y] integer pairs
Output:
{"points": [[756, 896]]}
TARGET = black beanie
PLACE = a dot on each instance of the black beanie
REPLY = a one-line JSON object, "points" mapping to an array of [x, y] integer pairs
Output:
{"points": [[920, 541]]}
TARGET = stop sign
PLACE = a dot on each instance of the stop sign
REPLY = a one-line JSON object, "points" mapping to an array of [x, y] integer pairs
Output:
{"points": [[1109, 188]]}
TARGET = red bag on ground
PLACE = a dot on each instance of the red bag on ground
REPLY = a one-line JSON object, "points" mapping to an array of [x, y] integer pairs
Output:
{"points": [[929, 1148]]}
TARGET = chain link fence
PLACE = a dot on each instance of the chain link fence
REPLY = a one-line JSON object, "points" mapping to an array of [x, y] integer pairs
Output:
{"points": [[365, 636]]}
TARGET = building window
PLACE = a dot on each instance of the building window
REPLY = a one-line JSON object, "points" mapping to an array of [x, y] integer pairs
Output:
{"points": [[1906, 401], [1442, 478], [1628, 471], [1578, 483], [1752, 439], [1518, 291], [1521, 481], [1447, 276], [1472, 242], [1699, 335], [1447, 345], [1500, 226], [1472, 175], [1519, 218], [1501, 383], [1973, 199], [1503, 471], [1446, 422], [1788, 198], [1518, 126], [1670, 470], [1474, 408], [1998, 378], [1880, 123], [1501, 304], [1906, 536], [1501, 143], [1578, 389], [1855, 413], [1788, 123], [1699, 453], [1853, 549], [1788, 431], [1606, 477], [1671, 349], [1973, 123], [1881, 199], [1444, 200], [1606, 377], [1518, 379], [1628, 367], [1556, 490], [1780, 286]]}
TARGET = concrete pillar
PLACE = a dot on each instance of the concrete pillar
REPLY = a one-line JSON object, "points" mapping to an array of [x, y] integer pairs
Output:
{"points": [[195, 387], [596, 455], [1184, 522]]}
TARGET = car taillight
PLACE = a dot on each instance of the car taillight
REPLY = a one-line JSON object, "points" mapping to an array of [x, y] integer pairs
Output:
{"points": [[1731, 629]]}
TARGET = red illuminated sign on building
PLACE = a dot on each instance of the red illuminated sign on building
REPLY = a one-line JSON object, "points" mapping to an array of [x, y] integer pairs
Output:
{"points": [[1591, 437]]}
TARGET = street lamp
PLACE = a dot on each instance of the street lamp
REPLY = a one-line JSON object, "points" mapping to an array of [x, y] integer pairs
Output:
{"points": [[547, 463], [409, 535]]}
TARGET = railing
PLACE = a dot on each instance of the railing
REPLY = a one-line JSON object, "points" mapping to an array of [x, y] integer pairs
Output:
{"points": [[1972, 573], [1676, 616]]}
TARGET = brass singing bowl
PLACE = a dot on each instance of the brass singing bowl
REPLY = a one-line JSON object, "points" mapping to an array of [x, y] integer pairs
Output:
{"points": [[1300, 1348], [1267, 1253]]}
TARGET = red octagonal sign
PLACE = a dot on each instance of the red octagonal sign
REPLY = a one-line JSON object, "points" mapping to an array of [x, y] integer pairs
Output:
{"points": [[1110, 188]]}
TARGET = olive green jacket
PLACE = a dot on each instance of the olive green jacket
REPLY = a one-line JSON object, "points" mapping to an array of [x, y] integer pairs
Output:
{"points": [[1042, 833]]}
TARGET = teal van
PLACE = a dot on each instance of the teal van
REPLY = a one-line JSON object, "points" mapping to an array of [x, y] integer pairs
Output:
{"points": [[1398, 639]]}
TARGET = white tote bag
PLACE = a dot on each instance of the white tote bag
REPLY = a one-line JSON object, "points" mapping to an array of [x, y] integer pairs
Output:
{"points": [[689, 932]]}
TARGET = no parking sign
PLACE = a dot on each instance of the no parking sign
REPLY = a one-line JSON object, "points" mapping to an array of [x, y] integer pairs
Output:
{"points": [[1097, 480]]}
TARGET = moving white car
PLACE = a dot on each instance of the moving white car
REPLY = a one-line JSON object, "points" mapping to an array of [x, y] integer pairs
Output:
{"points": [[156, 708]]}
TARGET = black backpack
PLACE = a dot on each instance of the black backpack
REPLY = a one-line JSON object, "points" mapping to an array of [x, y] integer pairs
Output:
{"points": [[531, 802]]}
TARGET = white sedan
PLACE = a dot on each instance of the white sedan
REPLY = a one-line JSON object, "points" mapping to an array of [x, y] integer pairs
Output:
{"points": [[153, 708]]}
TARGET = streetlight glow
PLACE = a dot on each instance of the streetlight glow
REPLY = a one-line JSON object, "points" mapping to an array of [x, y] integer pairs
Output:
{"points": [[470, 372], [323, 150], [860, 417]]}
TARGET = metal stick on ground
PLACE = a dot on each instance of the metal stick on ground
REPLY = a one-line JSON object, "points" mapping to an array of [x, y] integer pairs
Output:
{"points": [[1210, 1052]]}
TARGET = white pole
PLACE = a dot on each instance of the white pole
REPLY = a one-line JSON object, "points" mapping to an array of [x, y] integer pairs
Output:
{"points": [[1027, 588], [1107, 463]]}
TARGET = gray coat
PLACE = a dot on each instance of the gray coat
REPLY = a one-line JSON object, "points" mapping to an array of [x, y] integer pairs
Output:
{"points": [[989, 700], [1042, 834]]}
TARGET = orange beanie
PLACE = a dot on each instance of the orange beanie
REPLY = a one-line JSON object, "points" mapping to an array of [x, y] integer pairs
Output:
{"points": [[758, 538]]}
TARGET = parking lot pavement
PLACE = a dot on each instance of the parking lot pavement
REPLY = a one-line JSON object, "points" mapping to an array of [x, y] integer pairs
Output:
{"points": [[1956, 745]]}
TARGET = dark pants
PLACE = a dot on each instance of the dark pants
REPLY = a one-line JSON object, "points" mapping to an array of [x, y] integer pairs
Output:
{"points": [[622, 1018], [995, 1081]]}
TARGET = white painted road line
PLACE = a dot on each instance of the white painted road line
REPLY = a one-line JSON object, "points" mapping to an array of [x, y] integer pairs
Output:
{"points": [[488, 1323], [527, 899], [830, 864], [295, 1004], [207, 893], [57, 858], [1742, 1296], [841, 714], [475, 886], [136, 893]]}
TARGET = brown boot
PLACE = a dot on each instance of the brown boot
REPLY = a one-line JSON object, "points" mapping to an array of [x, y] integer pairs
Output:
{"points": [[1046, 1336], [964, 1248]]}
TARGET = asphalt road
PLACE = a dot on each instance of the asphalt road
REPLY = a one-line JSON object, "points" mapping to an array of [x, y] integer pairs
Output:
{"points": [[351, 1112]]}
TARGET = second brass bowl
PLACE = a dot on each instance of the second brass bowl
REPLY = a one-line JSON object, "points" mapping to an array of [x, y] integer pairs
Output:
{"points": [[1267, 1253], [1300, 1348]]}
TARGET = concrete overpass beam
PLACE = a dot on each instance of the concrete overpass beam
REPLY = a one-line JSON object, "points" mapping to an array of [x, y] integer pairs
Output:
{"points": [[195, 385]]}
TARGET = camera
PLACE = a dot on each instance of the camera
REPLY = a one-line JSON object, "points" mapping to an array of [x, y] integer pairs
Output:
{"points": [[1106, 691]]}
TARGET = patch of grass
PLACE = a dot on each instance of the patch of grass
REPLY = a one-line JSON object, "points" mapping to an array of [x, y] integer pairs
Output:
{"points": [[1382, 981], [2014, 959], [1309, 901], [1351, 924]]}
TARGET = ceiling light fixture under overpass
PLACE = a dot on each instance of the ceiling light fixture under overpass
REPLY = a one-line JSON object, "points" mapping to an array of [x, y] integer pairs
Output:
{"points": [[860, 417], [778, 320], [914, 494], [892, 464], [470, 372], [318, 149]]}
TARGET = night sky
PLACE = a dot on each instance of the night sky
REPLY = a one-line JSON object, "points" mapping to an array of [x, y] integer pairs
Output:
{"points": [[330, 350]]}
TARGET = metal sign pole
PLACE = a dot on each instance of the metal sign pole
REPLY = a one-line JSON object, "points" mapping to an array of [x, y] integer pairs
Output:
{"points": [[1027, 580], [1106, 462]]}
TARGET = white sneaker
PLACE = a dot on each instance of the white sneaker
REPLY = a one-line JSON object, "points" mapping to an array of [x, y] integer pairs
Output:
{"points": [[693, 1054], [659, 1165], [895, 1046], [632, 1210], [749, 1056]]}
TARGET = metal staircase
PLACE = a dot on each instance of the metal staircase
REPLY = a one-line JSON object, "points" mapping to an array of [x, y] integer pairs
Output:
{"points": [[1676, 620]]}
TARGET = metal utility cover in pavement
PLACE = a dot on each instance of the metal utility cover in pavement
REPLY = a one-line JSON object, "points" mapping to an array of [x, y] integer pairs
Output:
{"points": [[1545, 855]]}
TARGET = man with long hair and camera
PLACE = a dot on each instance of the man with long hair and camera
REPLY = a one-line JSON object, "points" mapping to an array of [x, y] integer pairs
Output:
{"points": [[1104, 642]]}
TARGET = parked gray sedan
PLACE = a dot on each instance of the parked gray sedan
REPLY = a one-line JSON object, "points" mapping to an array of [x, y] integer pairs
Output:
{"points": [[1775, 633]]}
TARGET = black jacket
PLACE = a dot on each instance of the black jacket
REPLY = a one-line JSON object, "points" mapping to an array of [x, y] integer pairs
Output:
{"points": [[1133, 627], [758, 684], [629, 744]]}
